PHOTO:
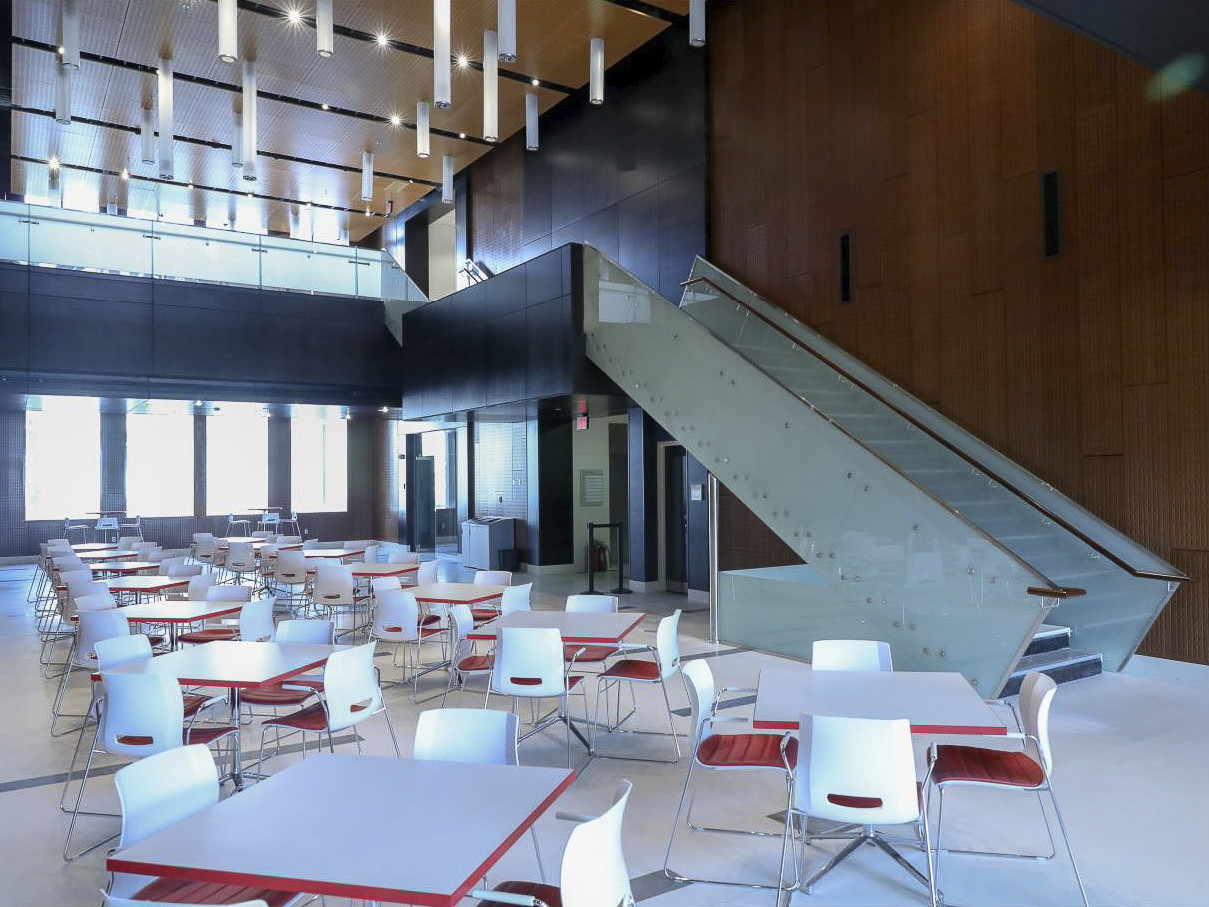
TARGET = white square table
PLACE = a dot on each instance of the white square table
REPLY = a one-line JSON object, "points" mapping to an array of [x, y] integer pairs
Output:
{"points": [[934, 703], [175, 613], [455, 593], [138, 586], [236, 665], [93, 546], [363, 827], [107, 554], [597, 629], [122, 568], [340, 553]]}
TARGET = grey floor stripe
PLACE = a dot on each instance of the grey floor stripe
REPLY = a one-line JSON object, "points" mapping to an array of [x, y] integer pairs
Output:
{"points": [[716, 654], [725, 704], [652, 885]]}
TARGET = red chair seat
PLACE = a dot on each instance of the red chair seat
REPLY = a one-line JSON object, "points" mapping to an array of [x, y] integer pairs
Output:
{"points": [[429, 619], [477, 663], [274, 694], [974, 763], [185, 891], [210, 634], [155, 641], [633, 669], [193, 703], [204, 734], [311, 683], [547, 894], [747, 751], [312, 718], [484, 613], [590, 653]]}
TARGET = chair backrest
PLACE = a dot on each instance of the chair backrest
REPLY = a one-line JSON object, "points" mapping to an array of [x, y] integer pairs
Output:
{"points": [[256, 619], [396, 617], [857, 770], [350, 686], [150, 552], [667, 645], [75, 580], [229, 593], [594, 869], [127, 542], [267, 554], [461, 622], [310, 631], [467, 735], [850, 655], [1036, 696], [163, 789], [701, 691], [201, 584], [371, 554], [290, 567], [182, 569], [97, 601], [95, 626], [516, 598], [427, 573], [241, 556], [529, 662], [207, 544], [310, 545], [143, 714], [386, 584], [334, 585], [407, 558], [493, 578], [120, 650], [591, 604], [83, 590]]}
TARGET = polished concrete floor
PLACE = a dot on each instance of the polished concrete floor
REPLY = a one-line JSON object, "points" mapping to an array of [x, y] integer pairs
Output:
{"points": [[1130, 770]]}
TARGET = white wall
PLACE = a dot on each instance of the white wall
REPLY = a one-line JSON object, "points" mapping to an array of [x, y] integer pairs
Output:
{"points": [[442, 260], [590, 450]]}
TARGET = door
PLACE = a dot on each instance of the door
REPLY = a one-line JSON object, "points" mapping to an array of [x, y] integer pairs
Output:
{"points": [[423, 490], [675, 523]]}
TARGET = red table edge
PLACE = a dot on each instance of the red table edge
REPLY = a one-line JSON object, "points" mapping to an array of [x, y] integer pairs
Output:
{"points": [[458, 601], [768, 724], [587, 640], [183, 620], [183, 582], [252, 685], [342, 889]]}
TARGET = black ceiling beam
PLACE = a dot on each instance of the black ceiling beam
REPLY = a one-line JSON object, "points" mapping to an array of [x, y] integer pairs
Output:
{"points": [[236, 89], [650, 9], [404, 46], [211, 143]]}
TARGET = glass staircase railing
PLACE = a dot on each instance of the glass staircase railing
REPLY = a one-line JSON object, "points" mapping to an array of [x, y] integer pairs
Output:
{"points": [[109, 244], [899, 542]]}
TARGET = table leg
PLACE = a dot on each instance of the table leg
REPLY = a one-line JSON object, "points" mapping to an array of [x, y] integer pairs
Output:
{"points": [[237, 754]]}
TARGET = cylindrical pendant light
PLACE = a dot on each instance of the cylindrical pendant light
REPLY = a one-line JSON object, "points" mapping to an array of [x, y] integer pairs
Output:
{"points": [[228, 30], [147, 136], [63, 94], [52, 182], [596, 69], [236, 137], [447, 178], [165, 102], [69, 33], [249, 121], [696, 23], [531, 115], [324, 38], [505, 16], [367, 176], [422, 129], [442, 95], [491, 88]]}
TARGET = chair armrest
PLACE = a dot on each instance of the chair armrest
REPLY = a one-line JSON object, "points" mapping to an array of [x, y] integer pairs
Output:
{"points": [[745, 690], [571, 660], [724, 719], [574, 817], [505, 897]]}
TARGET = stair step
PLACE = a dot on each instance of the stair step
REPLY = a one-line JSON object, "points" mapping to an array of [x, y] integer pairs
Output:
{"points": [[1049, 638], [1064, 665]]}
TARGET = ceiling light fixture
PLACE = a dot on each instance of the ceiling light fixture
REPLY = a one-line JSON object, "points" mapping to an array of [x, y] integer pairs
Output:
{"points": [[596, 68], [324, 33], [325, 107], [442, 95], [125, 174], [147, 135], [249, 121], [535, 83], [236, 137], [63, 94], [164, 84], [228, 30], [53, 162], [491, 87], [69, 34], [696, 23], [367, 177], [396, 120], [531, 115], [293, 16], [505, 21], [447, 179], [383, 40], [421, 129], [461, 135]]}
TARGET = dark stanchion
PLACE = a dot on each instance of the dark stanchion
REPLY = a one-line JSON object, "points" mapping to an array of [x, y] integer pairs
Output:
{"points": [[620, 590]]}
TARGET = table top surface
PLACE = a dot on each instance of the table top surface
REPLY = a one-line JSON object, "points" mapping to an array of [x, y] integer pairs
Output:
{"points": [[934, 703], [123, 566], [374, 828], [147, 583], [94, 546], [106, 513], [235, 663], [575, 627], [456, 593], [263, 509], [333, 552], [107, 554], [383, 569], [184, 612]]}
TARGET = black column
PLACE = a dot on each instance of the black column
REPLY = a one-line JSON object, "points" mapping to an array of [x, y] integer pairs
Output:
{"points": [[642, 524], [551, 484], [6, 99], [14, 537], [279, 464], [113, 460], [199, 468]]}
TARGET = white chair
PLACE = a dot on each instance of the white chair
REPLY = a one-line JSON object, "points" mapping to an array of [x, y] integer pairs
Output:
{"points": [[156, 793], [295, 690], [371, 554], [135, 526], [850, 655], [427, 572], [351, 695], [516, 598], [859, 771], [105, 526], [397, 620], [269, 520], [463, 663], [662, 667], [335, 594], [739, 752], [292, 524], [591, 604], [403, 557], [198, 587], [216, 629], [177, 567], [489, 610], [310, 545], [206, 549], [94, 625], [243, 524], [593, 873], [1027, 770], [241, 561], [529, 665], [127, 542], [290, 575]]}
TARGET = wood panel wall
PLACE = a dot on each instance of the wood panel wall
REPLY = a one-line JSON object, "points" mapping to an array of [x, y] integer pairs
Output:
{"points": [[922, 129]]}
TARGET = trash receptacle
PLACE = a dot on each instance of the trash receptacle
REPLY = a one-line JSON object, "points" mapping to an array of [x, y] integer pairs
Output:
{"points": [[508, 559]]}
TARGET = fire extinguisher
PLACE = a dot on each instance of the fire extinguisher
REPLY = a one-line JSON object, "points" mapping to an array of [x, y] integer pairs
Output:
{"points": [[602, 556]]}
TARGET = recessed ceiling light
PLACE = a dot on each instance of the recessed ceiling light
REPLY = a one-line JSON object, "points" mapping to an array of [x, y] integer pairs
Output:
{"points": [[190, 185], [61, 50], [463, 61], [197, 403], [394, 119], [249, 195], [461, 135], [382, 39], [325, 107], [294, 16], [53, 162], [367, 212], [536, 82], [125, 174], [384, 409]]}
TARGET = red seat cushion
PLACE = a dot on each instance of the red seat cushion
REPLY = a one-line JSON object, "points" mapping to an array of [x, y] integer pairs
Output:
{"points": [[312, 683], [974, 763], [484, 613], [184, 891], [210, 634], [155, 641], [590, 653], [205, 733], [633, 669], [477, 663], [548, 894], [193, 703], [312, 718], [746, 751], [274, 694], [428, 619]]}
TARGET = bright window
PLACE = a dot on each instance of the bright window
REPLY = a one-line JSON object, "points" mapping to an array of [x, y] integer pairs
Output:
{"points": [[159, 464], [319, 465], [237, 460], [62, 458]]}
